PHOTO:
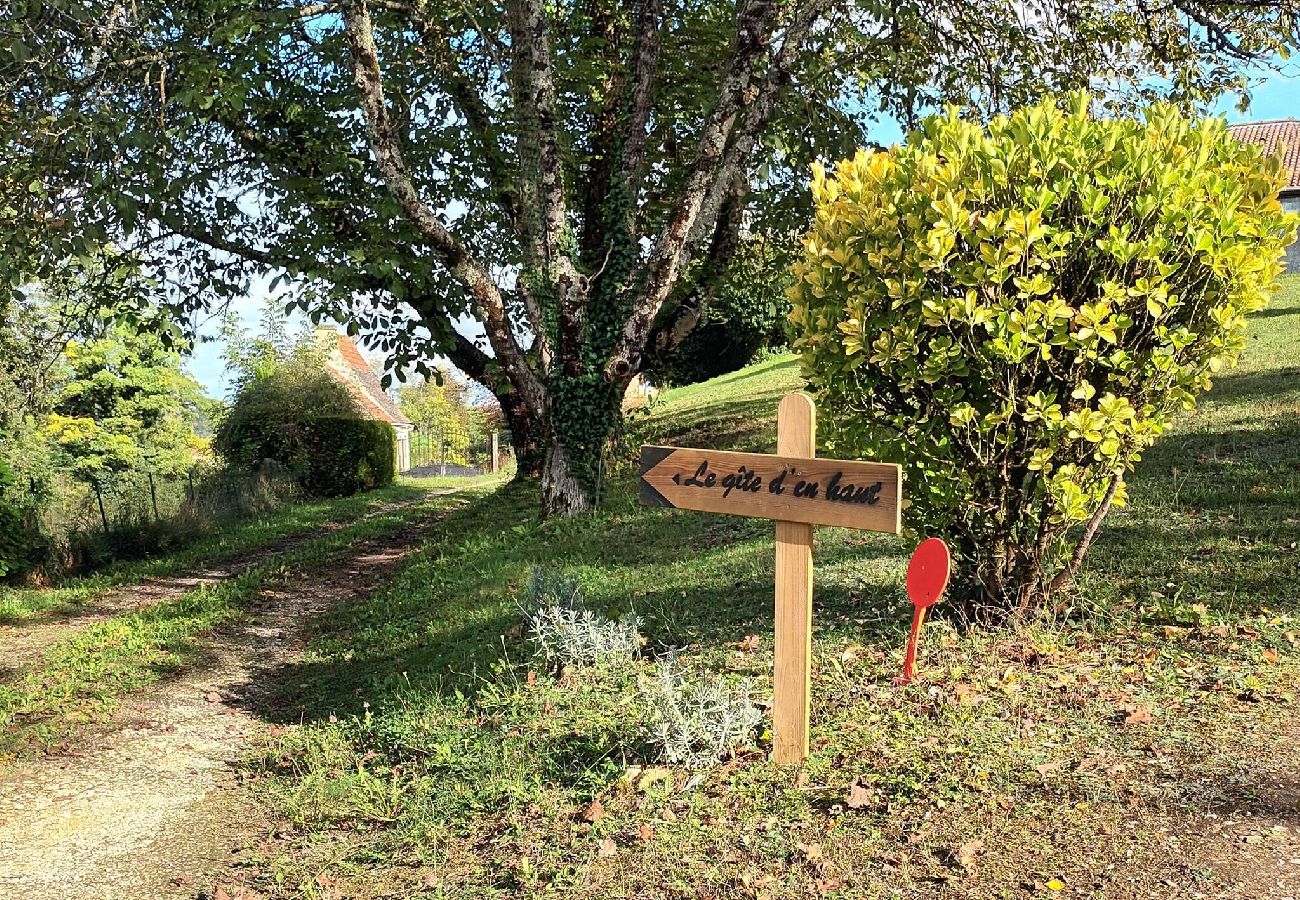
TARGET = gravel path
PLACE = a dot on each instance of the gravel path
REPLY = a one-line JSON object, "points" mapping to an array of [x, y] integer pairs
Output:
{"points": [[150, 806], [24, 644]]}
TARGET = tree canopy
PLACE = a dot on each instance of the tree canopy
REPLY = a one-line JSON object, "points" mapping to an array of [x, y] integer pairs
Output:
{"points": [[539, 192]]}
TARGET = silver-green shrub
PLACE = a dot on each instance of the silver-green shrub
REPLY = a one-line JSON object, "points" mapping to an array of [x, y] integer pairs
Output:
{"points": [[566, 633], [694, 721]]}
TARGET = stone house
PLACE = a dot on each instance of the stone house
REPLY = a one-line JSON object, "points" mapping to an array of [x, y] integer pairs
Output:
{"points": [[1273, 135], [344, 362]]}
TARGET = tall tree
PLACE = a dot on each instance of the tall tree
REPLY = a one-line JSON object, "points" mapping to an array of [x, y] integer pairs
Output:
{"points": [[565, 180], [124, 403]]}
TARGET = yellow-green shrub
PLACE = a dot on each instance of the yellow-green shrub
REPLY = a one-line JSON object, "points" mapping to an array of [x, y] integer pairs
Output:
{"points": [[1013, 312]]}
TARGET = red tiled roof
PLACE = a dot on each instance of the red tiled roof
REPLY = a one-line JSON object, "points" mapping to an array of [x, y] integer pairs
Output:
{"points": [[1272, 135], [346, 362]]}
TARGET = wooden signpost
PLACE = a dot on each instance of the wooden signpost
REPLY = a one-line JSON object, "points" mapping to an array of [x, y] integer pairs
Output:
{"points": [[798, 491]]}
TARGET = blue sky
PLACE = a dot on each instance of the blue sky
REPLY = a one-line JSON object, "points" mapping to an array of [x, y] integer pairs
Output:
{"points": [[1277, 96]]}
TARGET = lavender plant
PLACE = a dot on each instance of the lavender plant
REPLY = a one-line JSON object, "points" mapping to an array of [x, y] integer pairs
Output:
{"points": [[695, 721], [566, 633]]}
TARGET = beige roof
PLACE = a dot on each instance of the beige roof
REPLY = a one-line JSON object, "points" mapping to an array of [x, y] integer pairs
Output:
{"points": [[344, 361], [1275, 135]]}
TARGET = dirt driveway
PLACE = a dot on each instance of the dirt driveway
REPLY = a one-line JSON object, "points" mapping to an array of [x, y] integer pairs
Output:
{"points": [[150, 805]]}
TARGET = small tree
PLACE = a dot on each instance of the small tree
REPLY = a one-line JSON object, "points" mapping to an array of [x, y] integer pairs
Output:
{"points": [[1015, 312], [124, 404]]}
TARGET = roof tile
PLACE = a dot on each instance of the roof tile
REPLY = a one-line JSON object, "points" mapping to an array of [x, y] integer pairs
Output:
{"points": [[346, 361], [1274, 135]]}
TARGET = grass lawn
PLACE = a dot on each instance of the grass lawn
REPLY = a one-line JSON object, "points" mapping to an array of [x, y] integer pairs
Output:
{"points": [[437, 759], [18, 604], [84, 676]]}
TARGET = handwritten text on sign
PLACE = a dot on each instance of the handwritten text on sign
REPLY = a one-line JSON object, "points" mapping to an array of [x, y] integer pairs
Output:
{"points": [[814, 491]]}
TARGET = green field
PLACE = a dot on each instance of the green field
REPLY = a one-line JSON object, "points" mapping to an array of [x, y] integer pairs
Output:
{"points": [[437, 759]]}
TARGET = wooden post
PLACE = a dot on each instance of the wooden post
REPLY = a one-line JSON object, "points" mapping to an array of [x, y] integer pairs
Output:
{"points": [[797, 491], [99, 495], [153, 497], [796, 436], [495, 453]]}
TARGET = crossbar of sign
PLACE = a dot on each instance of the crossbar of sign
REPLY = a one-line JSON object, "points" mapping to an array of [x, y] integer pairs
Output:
{"points": [[847, 493]]}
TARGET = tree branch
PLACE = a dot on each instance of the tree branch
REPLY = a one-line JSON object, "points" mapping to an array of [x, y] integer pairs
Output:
{"points": [[392, 169], [478, 117], [645, 66], [536, 104], [1067, 575], [722, 249], [721, 156]]}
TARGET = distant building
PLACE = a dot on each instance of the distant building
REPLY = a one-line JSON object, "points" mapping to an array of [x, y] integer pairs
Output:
{"points": [[1275, 135], [345, 363]]}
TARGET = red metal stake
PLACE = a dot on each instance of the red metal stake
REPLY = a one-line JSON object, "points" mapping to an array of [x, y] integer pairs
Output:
{"points": [[909, 661], [927, 577]]}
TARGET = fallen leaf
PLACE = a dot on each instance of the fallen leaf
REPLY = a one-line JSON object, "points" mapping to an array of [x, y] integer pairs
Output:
{"points": [[1048, 768], [212, 697], [1055, 884], [1270, 656], [967, 853], [750, 643], [860, 796], [1137, 715], [608, 848], [646, 833], [593, 811], [811, 852]]}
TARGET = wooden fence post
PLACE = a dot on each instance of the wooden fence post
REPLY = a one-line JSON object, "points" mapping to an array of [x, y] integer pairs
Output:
{"points": [[796, 435], [103, 516]]}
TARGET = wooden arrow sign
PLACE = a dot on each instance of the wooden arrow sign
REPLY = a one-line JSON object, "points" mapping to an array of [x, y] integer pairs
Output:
{"points": [[798, 491], [786, 488]]}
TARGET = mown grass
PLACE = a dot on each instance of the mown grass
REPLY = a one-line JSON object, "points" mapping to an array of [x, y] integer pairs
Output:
{"points": [[436, 759], [20, 604], [82, 678]]}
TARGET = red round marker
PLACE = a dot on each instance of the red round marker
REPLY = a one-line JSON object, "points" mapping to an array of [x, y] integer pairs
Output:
{"points": [[927, 577]]}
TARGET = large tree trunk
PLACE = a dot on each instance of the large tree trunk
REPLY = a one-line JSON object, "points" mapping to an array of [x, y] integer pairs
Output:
{"points": [[562, 492], [583, 413], [527, 435]]}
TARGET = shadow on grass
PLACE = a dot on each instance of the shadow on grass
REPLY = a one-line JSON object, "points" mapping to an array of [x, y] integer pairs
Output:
{"points": [[1247, 386], [1274, 312]]}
